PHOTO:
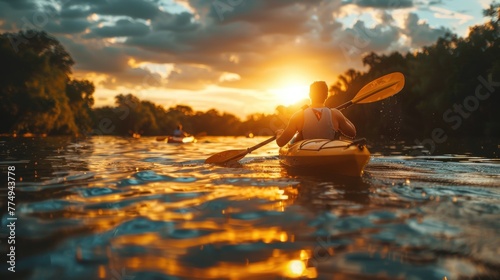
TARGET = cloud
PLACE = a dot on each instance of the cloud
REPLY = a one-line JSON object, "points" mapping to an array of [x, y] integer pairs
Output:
{"points": [[376, 39], [192, 77], [382, 4], [448, 14], [252, 32], [137, 9], [159, 41], [384, 17], [96, 56], [21, 4], [420, 33], [294, 15], [175, 22], [133, 78], [67, 26], [75, 12], [122, 28], [133, 8]]}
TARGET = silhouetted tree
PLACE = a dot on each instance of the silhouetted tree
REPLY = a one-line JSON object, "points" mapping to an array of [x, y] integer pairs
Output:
{"points": [[81, 99], [33, 77]]}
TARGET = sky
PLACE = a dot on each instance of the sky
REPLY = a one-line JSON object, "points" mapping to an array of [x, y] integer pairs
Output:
{"points": [[237, 56]]}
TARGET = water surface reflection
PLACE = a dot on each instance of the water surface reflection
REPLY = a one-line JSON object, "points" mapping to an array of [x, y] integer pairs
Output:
{"points": [[116, 208]]}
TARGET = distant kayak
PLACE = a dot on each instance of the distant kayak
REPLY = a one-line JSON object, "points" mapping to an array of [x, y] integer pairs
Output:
{"points": [[181, 140], [339, 157]]}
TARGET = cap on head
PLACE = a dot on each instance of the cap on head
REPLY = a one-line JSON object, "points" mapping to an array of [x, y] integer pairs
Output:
{"points": [[318, 91]]}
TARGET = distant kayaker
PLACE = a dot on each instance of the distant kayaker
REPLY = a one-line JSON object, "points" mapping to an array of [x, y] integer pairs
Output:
{"points": [[178, 132], [317, 121]]}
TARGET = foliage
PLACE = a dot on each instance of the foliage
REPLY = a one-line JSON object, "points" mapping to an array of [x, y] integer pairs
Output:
{"points": [[131, 115], [34, 92]]}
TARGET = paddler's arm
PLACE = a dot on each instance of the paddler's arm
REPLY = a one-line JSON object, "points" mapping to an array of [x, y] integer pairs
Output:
{"points": [[283, 136], [342, 124]]}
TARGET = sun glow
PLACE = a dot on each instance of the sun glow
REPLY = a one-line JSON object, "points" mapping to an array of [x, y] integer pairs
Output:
{"points": [[291, 94]]}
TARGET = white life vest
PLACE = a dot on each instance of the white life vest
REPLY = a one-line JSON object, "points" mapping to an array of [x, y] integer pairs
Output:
{"points": [[318, 124]]}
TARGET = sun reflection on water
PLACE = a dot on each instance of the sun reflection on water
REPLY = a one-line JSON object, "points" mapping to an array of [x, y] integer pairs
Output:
{"points": [[139, 209]]}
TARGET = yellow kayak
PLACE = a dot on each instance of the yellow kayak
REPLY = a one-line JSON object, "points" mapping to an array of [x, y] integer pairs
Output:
{"points": [[340, 157], [181, 140]]}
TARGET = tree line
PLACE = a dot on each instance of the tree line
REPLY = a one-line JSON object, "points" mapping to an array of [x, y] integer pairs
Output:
{"points": [[452, 90]]}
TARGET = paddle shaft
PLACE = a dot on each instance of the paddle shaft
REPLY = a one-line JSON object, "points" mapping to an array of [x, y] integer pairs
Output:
{"points": [[251, 149]]}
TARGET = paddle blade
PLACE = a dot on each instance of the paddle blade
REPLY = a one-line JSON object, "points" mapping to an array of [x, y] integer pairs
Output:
{"points": [[381, 88], [226, 156]]}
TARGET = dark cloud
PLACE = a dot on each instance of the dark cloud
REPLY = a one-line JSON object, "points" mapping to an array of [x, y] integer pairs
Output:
{"points": [[254, 29], [159, 41], [362, 39], [69, 3], [385, 17], [122, 28], [75, 12], [25, 16], [136, 78], [21, 4], [294, 15], [421, 34], [142, 9], [175, 22], [383, 4], [326, 24], [67, 26], [95, 56], [251, 42]]}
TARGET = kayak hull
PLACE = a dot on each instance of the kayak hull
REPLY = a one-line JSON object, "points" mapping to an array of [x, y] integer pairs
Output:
{"points": [[180, 140], [338, 157]]}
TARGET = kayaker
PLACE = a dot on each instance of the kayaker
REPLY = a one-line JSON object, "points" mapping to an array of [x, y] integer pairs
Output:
{"points": [[178, 132], [316, 121]]}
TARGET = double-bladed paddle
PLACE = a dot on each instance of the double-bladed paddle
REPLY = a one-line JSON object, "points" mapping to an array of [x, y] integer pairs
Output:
{"points": [[381, 88]]}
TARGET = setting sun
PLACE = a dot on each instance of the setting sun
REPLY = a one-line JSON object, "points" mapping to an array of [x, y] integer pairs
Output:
{"points": [[291, 94]]}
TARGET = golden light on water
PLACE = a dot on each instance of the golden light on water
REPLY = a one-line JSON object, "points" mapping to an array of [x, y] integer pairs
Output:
{"points": [[304, 255], [283, 237], [295, 268], [227, 270], [167, 235], [152, 215]]}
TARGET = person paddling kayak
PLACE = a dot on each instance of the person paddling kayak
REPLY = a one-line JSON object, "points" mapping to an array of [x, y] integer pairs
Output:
{"points": [[180, 136], [178, 132], [317, 121]]}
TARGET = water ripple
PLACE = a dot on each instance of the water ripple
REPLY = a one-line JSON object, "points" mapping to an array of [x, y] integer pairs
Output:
{"points": [[118, 208]]}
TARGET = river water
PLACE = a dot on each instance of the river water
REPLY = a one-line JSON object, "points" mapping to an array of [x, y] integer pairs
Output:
{"points": [[118, 208]]}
